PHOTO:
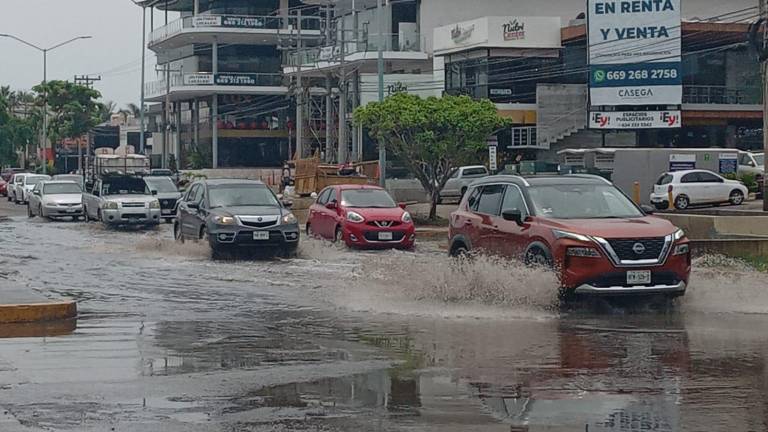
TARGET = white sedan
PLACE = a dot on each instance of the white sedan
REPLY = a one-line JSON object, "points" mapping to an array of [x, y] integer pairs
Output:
{"points": [[696, 187], [56, 199]]}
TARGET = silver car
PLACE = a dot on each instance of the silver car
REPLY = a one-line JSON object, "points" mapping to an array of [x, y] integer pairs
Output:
{"points": [[15, 181], [77, 178], [24, 190], [56, 199], [121, 200]]}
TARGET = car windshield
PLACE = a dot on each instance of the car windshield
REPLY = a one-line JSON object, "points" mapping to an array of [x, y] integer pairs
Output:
{"points": [[124, 186], [581, 201], [665, 179], [161, 184], [61, 188], [241, 195], [759, 158], [371, 198], [19, 180], [33, 180]]}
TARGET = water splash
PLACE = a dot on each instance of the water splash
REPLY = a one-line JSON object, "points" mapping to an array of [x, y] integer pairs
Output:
{"points": [[726, 285]]}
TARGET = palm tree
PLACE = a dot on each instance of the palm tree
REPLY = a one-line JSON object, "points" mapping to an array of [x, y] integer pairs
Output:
{"points": [[105, 110], [134, 109]]}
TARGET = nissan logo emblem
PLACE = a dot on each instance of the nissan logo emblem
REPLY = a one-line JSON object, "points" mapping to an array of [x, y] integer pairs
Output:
{"points": [[260, 219], [639, 248]]}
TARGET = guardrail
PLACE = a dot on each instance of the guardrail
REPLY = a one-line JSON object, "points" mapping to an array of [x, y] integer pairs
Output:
{"points": [[269, 22], [158, 88], [367, 42], [722, 95]]}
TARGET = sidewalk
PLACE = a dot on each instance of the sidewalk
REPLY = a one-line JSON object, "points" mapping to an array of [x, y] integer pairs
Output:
{"points": [[21, 305]]}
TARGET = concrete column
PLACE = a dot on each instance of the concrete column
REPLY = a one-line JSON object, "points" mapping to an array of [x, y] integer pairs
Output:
{"points": [[215, 55], [196, 123], [356, 153], [177, 150], [343, 144], [215, 131], [328, 119], [284, 10], [196, 7]]}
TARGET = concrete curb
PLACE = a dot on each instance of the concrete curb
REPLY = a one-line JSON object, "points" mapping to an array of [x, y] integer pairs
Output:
{"points": [[37, 312], [431, 233]]}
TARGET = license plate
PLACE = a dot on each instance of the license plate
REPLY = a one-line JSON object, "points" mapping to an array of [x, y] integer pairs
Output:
{"points": [[166, 212], [71, 210], [639, 277], [385, 236], [261, 235]]}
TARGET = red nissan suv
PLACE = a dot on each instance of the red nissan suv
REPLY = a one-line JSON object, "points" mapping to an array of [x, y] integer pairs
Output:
{"points": [[598, 241]]}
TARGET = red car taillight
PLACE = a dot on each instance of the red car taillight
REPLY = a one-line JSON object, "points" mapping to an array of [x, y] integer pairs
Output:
{"points": [[669, 189]]}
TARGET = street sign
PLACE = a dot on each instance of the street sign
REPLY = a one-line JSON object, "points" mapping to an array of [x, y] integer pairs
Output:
{"points": [[635, 120], [493, 146], [729, 163]]}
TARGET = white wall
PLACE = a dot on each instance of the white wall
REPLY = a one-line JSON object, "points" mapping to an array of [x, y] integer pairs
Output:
{"points": [[436, 13]]}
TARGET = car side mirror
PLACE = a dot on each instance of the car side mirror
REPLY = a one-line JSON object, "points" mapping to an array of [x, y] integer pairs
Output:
{"points": [[313, 195], [193, 205], [648, 209], [402, 205], [36, 192], [154, 192], [333, 205], [513, 215], [287, 203]]}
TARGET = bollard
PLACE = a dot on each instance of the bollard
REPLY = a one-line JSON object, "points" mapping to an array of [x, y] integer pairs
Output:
{"points": [[636, 192], [670, 198]]}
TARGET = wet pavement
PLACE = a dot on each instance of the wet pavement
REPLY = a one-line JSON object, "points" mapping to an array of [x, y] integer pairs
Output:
{"points": [[169, 340]]}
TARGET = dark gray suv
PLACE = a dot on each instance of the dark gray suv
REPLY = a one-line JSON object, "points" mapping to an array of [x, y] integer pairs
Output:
{"points": [[236, 215]]}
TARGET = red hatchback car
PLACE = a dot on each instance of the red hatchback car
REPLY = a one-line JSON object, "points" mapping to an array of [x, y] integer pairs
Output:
{"points": [[595, 237], [3, 187], [362, 217]]}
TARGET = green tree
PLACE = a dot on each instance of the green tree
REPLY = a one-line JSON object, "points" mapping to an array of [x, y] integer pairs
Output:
{"points": [[433, 137], [73, 108]]}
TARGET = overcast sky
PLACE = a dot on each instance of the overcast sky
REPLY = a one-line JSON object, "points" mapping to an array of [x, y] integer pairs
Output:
{"points": [[114, 52]]}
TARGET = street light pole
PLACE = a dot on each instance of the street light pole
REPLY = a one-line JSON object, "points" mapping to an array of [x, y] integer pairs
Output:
{"points": [[380, 67], [143, 71], [45, 87]]}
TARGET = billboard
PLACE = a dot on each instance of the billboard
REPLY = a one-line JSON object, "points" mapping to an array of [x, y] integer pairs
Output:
{"points": [[635, 52], [634, 120], [498, 32]]}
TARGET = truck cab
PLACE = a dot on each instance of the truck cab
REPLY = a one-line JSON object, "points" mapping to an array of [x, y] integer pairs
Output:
{"points": [[121, 200]]}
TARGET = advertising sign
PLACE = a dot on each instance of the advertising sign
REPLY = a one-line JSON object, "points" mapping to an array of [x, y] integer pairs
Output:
{"points": [[681, 162], [729, 163], [493, 146], [198, 79], [206, 21], [498, 32], [635, 120], [243, 22], [635, 52]]}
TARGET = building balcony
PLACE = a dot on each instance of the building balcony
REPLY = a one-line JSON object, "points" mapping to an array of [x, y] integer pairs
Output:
{"points": [[189, 86], [721, 98], [363, 52], [231, 29]]}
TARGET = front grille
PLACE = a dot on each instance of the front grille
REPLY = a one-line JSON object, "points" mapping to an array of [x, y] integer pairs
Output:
{"points": [[620, 279], [374, 236], [166, 204], [258, 224], [134, 216], [133, 205], [384, 224], [625, 248]]}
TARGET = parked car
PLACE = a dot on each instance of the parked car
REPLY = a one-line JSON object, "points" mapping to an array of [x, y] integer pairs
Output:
{"points": [[237, 215], [77, 178], [121, 200], [595, 238], [3, 187], [166, 191], [361, 217], [56, 199], [7, 173], [457, 185], [163, 172], [14, 183], [24, 190], [696, 187]]}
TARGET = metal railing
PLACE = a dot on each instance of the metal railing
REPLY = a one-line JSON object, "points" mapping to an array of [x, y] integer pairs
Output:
{"points": [[245, 22], [722, 95], [202, 79], [367, 42]]}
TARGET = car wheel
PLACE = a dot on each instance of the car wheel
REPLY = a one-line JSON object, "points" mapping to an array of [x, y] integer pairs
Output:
{"points": [[538, 257], [682, 202], [339, 237], [177, 234], [40, 211], [736, 198], [459, 250]]}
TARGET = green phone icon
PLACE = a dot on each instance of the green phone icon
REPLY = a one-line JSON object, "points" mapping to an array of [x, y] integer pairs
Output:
{"points": [[599, 76]]}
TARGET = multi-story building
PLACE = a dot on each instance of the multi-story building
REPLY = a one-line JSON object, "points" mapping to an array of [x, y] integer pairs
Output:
{"points": [[221, 97]]}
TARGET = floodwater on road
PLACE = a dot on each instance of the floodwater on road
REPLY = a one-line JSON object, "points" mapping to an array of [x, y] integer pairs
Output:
{"points": [[169, 340]]}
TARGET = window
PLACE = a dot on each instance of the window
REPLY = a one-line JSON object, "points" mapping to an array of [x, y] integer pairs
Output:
{"points": [[745, 159], [665, 179], [690, 178], [475, 172], [472, 200], [191, 196], [323, 198], [513, 200], [490, 200], [333, 196], [706, 177], [581, 201]]}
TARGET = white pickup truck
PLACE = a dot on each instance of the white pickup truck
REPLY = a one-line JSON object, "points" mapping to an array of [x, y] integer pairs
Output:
{"points": [[457, 185], [121, 200]]}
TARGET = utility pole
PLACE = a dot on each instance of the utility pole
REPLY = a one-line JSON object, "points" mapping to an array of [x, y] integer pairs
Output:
{"points": [[343, 146], [380, 67], [86, 80], [142, 138], [764, 70], [299, 93]]}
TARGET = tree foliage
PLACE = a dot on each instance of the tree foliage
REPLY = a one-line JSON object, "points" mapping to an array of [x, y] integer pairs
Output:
{"points": [[19, 124], [73, 108], [433, 137]]}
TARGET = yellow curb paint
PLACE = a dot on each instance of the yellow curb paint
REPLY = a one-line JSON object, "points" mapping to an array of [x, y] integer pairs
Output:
{"points": [[35, 312]]}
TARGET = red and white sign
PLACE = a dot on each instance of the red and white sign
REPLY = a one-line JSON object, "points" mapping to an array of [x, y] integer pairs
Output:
{"points": [[635, 120]]}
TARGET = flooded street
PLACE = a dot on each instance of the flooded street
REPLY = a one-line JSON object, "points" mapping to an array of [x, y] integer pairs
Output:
{"points": [[169, 340]]}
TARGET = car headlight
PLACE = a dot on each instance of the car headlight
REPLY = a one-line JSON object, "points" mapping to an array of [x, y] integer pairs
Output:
{"points": [[355, 217], [568, 235], [583, 252], [154, 204], [407, 218], [289, 219], [679, 234], [224, 220], [110, 205], [682, 249]]}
